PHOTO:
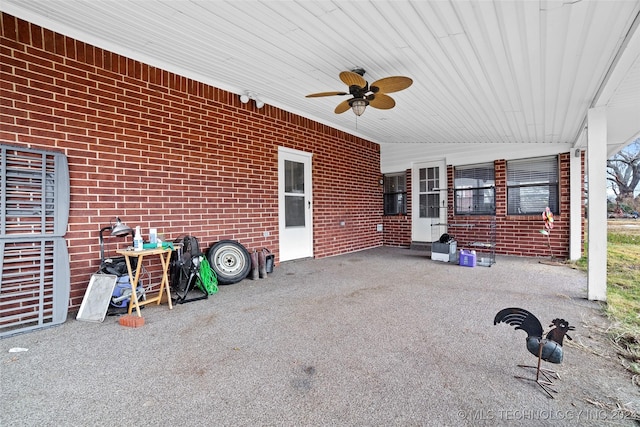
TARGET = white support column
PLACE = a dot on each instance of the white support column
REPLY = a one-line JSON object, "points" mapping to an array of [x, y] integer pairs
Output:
{"points": [[597, 205], [575, 202]]}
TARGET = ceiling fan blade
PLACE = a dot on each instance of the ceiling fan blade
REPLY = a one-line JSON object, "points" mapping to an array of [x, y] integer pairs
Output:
{"points": [[342, 107], [316, 95], [382, 101], [350, 78], [391, 84]]}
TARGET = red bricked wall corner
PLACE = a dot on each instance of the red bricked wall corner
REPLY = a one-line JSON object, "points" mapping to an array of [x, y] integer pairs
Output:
{"points": [[161, 150]]}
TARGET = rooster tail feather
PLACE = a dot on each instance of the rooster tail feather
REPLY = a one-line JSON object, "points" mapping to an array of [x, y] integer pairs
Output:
{"points": [[521, 319]]}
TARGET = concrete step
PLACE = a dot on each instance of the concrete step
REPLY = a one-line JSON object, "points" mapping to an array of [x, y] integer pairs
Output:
{"points": [[420, 246]]}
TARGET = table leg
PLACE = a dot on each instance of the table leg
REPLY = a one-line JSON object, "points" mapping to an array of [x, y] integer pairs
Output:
{"points": [[133, 302], [164, 284]]}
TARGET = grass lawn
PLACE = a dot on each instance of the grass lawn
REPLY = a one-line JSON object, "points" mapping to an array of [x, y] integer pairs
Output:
{"points": [[623, 289], [623, 273]]}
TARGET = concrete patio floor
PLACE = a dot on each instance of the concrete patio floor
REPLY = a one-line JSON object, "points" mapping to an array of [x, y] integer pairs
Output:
{"points": [[382, 337]]}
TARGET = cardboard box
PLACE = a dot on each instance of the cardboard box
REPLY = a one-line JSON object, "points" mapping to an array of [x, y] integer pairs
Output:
{"points": [[467, 259]]}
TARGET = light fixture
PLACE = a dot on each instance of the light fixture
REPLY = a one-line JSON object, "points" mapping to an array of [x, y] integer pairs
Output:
{"points": [[119, 229], [247, 96], [358, 106]]}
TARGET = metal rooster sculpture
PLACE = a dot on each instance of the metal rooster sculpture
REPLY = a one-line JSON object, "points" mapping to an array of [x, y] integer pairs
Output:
{"points": [[548, 348]]}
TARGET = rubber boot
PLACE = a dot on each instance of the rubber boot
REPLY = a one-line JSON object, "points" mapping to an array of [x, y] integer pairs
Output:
{"points": [[262, 264], [254, 265]]}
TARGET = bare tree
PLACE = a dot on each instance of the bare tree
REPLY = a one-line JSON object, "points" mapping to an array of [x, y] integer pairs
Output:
{"points": [[623, 172]]}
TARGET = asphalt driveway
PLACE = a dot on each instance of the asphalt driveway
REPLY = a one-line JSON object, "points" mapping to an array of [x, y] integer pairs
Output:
{"points": [[382, 337]]}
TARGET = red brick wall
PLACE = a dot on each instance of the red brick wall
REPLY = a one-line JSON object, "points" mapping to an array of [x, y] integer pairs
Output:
{"points": [[517, 234], [160, 150]]}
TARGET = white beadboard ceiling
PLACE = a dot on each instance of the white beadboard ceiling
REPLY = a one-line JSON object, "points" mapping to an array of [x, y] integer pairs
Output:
{"points": [[491, 72]]}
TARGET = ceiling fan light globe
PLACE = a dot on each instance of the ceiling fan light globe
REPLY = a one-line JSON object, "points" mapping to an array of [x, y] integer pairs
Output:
{"points": [[358, 106]]}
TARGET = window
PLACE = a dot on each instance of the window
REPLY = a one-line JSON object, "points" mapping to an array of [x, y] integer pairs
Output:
{"points": [[294, 203], [532, 185], [474, 188], [395, 194]]}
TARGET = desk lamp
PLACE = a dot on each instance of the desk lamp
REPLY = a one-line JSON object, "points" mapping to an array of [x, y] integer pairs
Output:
{"points": [[119, 229]]}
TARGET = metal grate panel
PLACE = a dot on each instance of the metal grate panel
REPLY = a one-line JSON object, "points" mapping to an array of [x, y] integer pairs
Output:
{"points": [[34, 264], [35, 192]]}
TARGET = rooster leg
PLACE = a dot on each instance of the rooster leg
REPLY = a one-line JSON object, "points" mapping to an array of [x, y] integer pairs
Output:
{"points": [[546, 387], [549, 373], [546, 373]]}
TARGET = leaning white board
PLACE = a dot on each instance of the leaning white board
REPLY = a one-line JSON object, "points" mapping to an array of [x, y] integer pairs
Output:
{"points": [[97, 297]]}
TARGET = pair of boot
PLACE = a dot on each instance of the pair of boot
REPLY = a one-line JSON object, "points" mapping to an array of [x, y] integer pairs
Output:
{"points": [[258, 265]]}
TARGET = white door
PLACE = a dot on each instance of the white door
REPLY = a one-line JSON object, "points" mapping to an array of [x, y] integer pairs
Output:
{"points": [[295, 204], [429, 201]]}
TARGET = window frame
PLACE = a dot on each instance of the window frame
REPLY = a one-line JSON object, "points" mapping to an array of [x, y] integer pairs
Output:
{"points": [[476, 192], [535, 180], [399, 204]]}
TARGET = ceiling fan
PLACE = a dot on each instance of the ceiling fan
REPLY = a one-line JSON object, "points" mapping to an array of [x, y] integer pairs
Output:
{"points": [[374, 94]]}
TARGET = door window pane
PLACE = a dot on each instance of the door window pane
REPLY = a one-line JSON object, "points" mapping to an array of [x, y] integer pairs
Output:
{"points": [[433, 203], [293, 177], [294, 211], [429, 192]]}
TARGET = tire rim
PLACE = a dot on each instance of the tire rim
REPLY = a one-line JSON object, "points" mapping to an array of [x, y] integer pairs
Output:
{"points": [[229, 259]]}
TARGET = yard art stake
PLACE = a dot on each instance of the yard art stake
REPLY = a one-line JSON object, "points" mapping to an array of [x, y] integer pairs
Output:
{"points": [[547, 217]]}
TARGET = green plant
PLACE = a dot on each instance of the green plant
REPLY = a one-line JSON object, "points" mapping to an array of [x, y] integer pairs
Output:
{"points": [[623, 290]]}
